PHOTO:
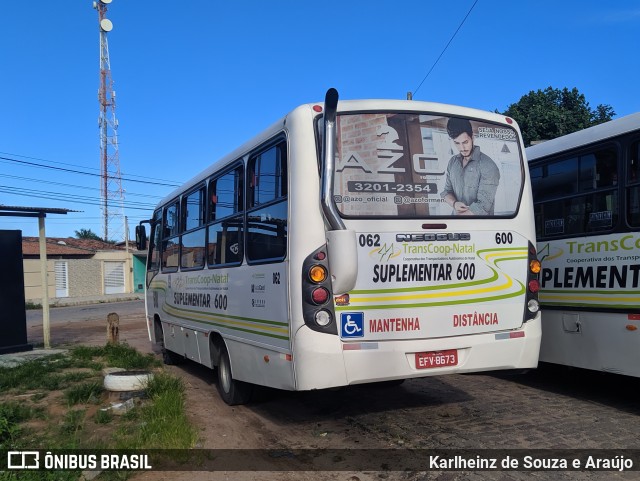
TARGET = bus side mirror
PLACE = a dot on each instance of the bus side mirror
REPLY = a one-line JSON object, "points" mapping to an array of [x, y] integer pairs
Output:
{"points": [[141, 238]]}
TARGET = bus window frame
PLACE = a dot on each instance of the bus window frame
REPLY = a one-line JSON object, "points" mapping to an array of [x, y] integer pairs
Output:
{"points": [[164, 238], [154, 226], [628, 183], [251, 206], [200, 187], [209, 222], [319, 133], [578, 153]]}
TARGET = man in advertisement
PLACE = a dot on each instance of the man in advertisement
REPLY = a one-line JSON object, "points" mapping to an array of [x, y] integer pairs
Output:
{"points": [[472, 177]]}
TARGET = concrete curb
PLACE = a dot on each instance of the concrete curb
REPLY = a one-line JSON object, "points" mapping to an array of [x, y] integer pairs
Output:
{"points": [[83, 301], [14, 359]]}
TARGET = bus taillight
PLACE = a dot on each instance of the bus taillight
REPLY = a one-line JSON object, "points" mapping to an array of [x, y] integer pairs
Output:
{"points": [[534, 266], [317, 274], [533, 285], [320, 295], [323, 318], [317, 308]]}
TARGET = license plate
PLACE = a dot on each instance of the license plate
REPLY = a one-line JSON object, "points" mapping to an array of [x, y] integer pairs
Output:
{"points": [[428, 360]]}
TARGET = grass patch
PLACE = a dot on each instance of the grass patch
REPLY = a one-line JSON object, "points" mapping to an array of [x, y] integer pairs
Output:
{"points": [[88, 392], [116, 355], [59, 402], [11, 414], [162, 424], [103, 417]]}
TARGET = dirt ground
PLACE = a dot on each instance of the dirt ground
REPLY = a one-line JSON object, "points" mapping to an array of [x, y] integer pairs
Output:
{"points": [[259, 426]]}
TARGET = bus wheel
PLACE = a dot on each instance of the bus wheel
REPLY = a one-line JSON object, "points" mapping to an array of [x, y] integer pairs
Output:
{"points": [[231, 391]]}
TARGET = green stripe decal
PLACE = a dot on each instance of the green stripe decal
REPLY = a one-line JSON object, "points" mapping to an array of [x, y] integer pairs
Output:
{"points": [[497, 286], [228, 322], [251, 325]]}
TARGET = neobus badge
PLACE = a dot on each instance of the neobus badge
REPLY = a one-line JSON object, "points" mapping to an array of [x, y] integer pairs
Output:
{"points": [[443, 236]]}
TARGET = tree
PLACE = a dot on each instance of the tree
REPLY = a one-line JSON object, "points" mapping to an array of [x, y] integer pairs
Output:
{"points": [[550, 113], [87, 234]]}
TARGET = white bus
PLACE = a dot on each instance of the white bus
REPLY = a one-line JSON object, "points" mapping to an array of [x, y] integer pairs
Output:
{"points": [[586, 189], [306, 261]]}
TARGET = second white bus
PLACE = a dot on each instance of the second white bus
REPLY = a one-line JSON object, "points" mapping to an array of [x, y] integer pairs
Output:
{"points": [[325, 251], [586, 188]]}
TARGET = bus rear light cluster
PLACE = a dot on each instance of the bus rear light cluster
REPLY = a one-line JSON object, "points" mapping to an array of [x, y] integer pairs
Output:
{"points": [[533, 285], [317, 307]]}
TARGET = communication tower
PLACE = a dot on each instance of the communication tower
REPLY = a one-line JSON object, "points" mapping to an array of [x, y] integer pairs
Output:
{"points": [[112, 195]]}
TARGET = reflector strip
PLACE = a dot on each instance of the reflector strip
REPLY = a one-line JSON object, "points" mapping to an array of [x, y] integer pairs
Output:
{"points": [[633, 317], [358, 346], [509, 335], [286, 357]]}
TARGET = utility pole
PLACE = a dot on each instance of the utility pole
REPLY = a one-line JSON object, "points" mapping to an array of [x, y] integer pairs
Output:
{"points": [[110, 178]]}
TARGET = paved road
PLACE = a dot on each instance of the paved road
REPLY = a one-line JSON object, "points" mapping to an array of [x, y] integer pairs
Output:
{"points": [[86, 312], [549, 408]]}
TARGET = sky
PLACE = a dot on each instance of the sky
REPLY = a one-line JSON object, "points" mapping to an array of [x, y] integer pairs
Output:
{"points": [[195, 79]]}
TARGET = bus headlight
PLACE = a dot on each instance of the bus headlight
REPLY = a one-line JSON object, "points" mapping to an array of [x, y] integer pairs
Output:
{"points": [[533, 305], [323, 318]]}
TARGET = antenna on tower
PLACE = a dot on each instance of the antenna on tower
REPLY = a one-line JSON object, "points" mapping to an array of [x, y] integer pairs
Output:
{"points": [[112, 195]]}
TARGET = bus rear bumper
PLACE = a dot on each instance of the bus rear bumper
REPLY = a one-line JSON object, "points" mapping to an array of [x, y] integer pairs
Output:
{"points": [[382, 361], [324, 361]]}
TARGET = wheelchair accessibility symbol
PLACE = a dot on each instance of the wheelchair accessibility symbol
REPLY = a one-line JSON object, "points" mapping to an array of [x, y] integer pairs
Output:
{"points": [[352, 324]]}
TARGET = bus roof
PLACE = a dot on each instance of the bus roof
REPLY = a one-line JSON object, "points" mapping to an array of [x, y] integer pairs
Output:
{"points": [[343, 106], [584, 137]]}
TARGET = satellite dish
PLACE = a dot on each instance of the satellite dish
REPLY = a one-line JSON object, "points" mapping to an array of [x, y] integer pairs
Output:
{"points": [[106, 25], [105, 1]]}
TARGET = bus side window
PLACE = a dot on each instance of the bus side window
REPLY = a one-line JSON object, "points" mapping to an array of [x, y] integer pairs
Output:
{"points": [[170, 241], [267, 210], [633, 187], [226, 224], [192, 241], [268, 175], [154, 246]]}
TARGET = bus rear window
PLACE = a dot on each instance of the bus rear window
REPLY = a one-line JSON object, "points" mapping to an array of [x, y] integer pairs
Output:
{"points": [[413, 165]]}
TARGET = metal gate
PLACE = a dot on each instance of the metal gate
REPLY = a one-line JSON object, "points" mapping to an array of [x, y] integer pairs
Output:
{"points": [[113, 277], [62, 278]]}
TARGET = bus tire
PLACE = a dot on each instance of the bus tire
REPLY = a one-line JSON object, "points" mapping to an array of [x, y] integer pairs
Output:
{"points": [[231, 391]]}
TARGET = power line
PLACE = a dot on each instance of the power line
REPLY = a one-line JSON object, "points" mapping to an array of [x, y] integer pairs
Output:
{"points": [[58, 196], [80, 166], [62, 169], [445, 48], [74, 186]]}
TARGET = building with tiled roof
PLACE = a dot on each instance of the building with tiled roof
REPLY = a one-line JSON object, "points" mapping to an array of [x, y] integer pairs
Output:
{"points": [[81, 268], [66, 246]]}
